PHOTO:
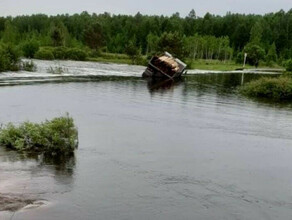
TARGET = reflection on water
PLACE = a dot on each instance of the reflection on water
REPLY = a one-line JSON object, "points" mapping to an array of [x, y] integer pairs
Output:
{"points": [[162, 85], [41, 171], [63, 164], [188, 150]]}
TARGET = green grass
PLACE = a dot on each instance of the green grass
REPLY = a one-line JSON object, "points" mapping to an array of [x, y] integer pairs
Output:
{"points": [[222, 65], [214, 65]]}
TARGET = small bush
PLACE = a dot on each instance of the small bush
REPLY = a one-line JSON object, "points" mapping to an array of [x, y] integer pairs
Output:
{"points": [[30, 48], [274, 88], [9, 58], [28, 66], [60, 53], [56, 137], [44, 54], [76, 54]]}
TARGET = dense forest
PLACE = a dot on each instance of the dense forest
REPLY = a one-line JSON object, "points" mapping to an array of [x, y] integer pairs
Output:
{"points": [[266, 38]]}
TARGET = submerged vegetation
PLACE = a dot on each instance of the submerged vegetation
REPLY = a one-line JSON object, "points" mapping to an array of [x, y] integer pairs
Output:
{"points": [[29, 66], [273, 88], [57, 70], [56, 137]]}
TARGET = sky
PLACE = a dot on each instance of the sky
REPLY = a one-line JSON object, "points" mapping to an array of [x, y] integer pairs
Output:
{"points": [[151, 7]]}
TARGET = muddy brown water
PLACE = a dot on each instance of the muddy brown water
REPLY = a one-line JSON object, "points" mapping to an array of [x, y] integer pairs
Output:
{"points": [[194, 150]]}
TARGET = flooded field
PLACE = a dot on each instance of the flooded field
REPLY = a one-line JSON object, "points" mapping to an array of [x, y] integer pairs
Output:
{"points": [[192, 150]]}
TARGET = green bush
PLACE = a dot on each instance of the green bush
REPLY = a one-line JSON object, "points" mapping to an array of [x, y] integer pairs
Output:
{"points": [[44, 54], [76, 54], [56, 137], [60, 53], [30, 48], [288, 65], [274, 88], [9, 58]]}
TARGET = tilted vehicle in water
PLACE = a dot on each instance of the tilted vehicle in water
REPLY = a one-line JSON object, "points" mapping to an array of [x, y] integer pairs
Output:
{"points": [[165, 66]]}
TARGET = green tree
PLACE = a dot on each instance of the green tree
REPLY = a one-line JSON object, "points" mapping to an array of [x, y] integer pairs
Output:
{"points": [[254, 54], [256, 33], [133, 52], [272, 54], [172, 43], [152, 41], [58, 34], [10, 34], [93, 36]]}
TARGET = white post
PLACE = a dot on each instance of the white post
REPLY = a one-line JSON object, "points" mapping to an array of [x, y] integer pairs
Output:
{"points": [[245, 55]]}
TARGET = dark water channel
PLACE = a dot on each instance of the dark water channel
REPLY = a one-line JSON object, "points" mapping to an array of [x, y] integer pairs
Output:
{"points": [[195, 150]]}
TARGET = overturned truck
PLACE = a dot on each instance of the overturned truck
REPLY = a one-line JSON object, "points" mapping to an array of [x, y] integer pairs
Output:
{"points": [[165, 66]]}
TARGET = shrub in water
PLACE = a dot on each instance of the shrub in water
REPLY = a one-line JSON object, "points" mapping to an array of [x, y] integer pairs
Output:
{"points": [[28, 66], [56, 137], [76, 54], [44, 54], [274, 88]]}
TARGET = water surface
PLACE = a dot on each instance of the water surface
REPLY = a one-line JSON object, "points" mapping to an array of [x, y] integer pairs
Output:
{"points": [[196, 150]]}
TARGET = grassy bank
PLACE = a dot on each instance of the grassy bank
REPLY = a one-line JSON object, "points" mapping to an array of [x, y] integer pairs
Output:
{"points": [[277, 89], [213, 65], [222, 65], [56, 137]]}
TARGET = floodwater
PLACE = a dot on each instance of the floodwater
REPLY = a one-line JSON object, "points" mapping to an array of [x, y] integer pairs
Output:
{"points": [[192, 150]]}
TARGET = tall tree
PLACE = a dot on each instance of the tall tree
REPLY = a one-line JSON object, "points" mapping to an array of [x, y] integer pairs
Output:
{"points": [[171, 42], [58, 33], [256, 33], [10, 34], [93, 36], [272, 53]]}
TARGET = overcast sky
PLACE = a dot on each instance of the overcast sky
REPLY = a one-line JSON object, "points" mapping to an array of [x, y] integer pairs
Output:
{"points": [[165, 7]]}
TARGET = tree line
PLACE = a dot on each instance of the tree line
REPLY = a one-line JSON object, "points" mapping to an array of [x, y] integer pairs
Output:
{"points": [[264, 37]]}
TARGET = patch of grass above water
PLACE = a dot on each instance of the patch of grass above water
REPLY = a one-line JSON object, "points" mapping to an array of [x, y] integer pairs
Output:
{"points": [[272, 88], [213, 65], [56, 137]]}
